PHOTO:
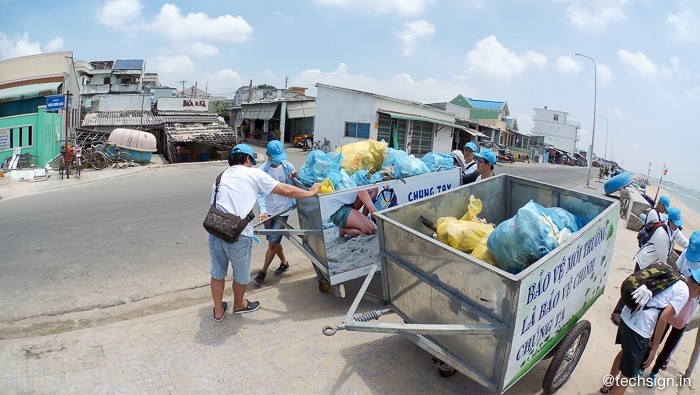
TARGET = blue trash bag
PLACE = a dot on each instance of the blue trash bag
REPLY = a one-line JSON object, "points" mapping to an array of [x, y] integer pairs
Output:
{"points": [[522, 240], [376, 177], [391, 155], [317, 166], [438, 162], [341, 179], [563, 218], [407, 166], [361, 177]]}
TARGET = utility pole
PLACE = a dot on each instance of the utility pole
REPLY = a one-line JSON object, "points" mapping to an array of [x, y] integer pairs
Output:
{"points": [[183, 86], [595, 94]]}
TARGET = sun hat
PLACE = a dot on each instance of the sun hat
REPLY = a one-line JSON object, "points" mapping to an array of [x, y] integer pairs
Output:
{"points": [[458, 156], [471, 146], [665, 201], [245, 148], [692, 253], [674, 215], [276, 150], [488, 155]]}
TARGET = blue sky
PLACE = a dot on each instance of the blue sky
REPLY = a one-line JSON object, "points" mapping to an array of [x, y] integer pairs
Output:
{"points": [[647, 54]]}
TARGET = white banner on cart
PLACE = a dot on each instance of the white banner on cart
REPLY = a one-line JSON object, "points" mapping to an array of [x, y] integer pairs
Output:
{"points": [[348, 231], [554, 297]]}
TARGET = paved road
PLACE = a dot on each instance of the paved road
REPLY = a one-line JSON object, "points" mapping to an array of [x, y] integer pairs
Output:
{"points": [[127, 239]]}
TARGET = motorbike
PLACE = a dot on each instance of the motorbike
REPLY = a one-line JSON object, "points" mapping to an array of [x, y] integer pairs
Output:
{"points": [[304, 141]]}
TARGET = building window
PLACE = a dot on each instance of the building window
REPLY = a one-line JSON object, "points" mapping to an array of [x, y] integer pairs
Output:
{"points": [[421, 137], [358, 130], [18, 137], [106, 81], [556, 117], [386, 125]]}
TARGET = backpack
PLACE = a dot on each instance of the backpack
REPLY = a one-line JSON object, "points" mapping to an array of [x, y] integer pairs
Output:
{"points": [[657, 277], [647, 231]]}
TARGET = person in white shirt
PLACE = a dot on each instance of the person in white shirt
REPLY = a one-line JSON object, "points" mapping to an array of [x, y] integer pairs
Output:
{"points": [[469, 160], [636, 329], [659, 212], [688, 261], [275, 206], [657, 249], [485, 161], [237, 193]]}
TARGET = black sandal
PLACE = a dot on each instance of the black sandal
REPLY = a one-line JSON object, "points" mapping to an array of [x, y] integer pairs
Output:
{"points": [[222, 315], [605, 389]]}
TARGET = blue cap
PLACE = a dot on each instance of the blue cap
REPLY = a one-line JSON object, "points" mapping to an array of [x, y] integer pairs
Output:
{"points": [[665, 201], [674, 215], [488, 155], [245, 148], [695, 274], [276, 150], [692, 253], [471, 146]]}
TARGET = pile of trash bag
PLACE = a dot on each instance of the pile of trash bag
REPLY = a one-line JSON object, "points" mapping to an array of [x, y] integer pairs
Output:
{"points": [[366, 162], [532, 233]]}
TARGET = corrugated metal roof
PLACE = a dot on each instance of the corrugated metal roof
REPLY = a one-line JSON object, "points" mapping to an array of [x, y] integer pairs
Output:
{"points": [[486, 104], [301, 109], [128, 64], [195, 118], [208, 134], [29, 91], [120, 118], [259, 111]]}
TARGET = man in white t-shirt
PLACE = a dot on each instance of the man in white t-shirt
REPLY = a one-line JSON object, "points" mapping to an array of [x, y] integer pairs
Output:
{"points": [[237, 193], [636, 329], [469, 160], [659, 212]]}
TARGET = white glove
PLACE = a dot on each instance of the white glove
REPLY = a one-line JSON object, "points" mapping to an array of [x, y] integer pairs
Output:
{"points": [[642, 295]]}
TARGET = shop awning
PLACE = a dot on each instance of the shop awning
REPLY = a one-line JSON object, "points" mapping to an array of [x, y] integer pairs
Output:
{"points": [[259, 111], [412, 117], [301, 109], [475, 133], [29, 91]]}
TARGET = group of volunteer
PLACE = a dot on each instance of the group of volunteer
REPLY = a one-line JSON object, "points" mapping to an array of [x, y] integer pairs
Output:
{"points": [[476, 165], [642, 330]]}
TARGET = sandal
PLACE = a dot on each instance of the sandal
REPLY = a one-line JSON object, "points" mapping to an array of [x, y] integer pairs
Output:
{"points": [[222, 315], [249, 307], [605, 389]]}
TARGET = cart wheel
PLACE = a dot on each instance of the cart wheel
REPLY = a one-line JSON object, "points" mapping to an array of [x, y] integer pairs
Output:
{"points": [[566, 356], [444, 369], [324, 285]]}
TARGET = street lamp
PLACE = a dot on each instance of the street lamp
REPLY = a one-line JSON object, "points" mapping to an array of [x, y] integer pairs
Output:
{"points": [[605, 154], [595, 88]]}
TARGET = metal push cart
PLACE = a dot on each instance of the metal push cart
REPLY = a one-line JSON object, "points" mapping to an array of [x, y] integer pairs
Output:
{"points": [[491, 325], [338, 259]]}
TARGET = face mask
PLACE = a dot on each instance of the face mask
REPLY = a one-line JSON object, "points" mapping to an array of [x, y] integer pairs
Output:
{"points": [[664, 217]]}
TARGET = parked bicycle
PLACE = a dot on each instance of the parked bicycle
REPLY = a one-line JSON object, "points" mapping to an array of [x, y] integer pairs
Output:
{"points": [[325, 147], [93, 158], [113, 155]]}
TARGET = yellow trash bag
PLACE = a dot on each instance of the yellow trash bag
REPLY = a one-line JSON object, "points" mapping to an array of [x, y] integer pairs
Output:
{"points": [[326, 187], [482, 252], [368, 155], [473, 210], [462, 235]]}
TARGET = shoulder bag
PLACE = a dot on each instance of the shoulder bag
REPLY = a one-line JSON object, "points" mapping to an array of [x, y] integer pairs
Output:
{"points": [[224, 225]]}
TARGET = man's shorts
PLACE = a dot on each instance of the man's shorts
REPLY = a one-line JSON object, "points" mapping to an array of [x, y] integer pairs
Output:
{"points": [[275, 223], [634, 349], [340, 217], [237, 253]]}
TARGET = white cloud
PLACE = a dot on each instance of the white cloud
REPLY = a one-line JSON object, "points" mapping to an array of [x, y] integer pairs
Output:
{"points": [[595, 14], [401, 86], [646, 67], [54, 45], [178, 27], [179, 65], [605, 75], [120, 14], [413, 33], [201, 49], [638, 61], [401, 7], [567, 64], [683, 26], [219, 82], [17, 45], [491, 58]]}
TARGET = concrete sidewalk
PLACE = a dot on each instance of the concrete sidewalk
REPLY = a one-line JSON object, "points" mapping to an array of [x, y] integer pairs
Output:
{"points": [[280, 348]]}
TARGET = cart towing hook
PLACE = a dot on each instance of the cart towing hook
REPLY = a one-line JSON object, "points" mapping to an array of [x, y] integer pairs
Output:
{"points": [[366, 317]]}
